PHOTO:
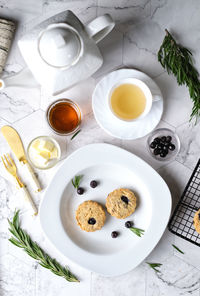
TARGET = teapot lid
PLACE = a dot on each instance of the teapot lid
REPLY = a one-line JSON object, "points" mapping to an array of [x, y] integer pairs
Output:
{"points": [[60, 45]]}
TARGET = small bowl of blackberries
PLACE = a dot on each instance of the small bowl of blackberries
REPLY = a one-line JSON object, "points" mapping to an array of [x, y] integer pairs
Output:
{"points": [[163, 144]]}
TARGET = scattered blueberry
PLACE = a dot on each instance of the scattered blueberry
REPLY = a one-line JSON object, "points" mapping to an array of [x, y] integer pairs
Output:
{"points": [[91, 221], [199, 216], [93, 184], [171, 147], [114, 234], [153, 145], [128, 224], [80, 190], [124, 199]]}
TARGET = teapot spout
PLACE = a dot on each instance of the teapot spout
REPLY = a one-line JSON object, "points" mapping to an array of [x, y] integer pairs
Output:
{"points": [[23, 78]]}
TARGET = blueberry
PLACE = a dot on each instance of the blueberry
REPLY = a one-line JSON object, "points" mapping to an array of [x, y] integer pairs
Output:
{"points": [[160, 146], [156, 140], [93, 184], [114, 234], [162, 154], [91, 221], [171, 147], [199, 216], [168, 139], [156, 151], [166, 144], [163, 139], [124, 199], [80, 190], [128, 224], [165, 148], [153, 145]]}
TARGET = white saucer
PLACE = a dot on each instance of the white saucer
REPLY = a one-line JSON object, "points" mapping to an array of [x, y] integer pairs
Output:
{"points": [[112, 125]]}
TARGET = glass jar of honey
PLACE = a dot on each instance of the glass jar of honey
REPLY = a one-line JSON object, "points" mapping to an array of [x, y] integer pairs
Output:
{"points": [[63, 116]]}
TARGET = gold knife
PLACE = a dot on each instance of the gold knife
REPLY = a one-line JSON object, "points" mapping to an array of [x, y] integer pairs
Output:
{"points": [[15, 143]]}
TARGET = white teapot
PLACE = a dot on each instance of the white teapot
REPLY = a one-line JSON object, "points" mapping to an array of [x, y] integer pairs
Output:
{"points": [[60, 53]]}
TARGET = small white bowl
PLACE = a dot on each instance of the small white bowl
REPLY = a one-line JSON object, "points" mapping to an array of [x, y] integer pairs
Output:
{"points": [[164, 132], [52, 162]]}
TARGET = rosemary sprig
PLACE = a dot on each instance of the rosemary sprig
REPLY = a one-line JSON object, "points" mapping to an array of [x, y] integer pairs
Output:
{"points": [[22, 240], [154, 266], [177, 59], [74, 135], [139, 232], [175, 247], [76, 181]]}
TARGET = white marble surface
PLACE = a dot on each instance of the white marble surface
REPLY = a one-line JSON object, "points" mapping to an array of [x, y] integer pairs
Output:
{"points": [[133, 43]]}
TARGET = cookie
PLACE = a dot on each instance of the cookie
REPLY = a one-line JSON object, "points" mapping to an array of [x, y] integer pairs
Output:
{"points": [[121, 203], [90, 216], [197, 221]]}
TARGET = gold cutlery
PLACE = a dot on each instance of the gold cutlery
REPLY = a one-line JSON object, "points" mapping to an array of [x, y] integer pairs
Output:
{"points": [[15, 143], [12, 169]]}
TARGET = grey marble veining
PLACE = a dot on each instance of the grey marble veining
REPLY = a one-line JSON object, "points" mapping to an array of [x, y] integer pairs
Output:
{"points": [[129, 284], [175, 99], [134, 43], [169, 173], [125, 13], [140, 50], [111, 48], [85, 11], [175, 278], [191, 254], [17, 277], [17, 103], [189, 134]]}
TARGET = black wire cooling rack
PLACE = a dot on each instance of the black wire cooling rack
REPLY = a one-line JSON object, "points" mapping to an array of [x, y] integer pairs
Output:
{"points": [[181, 222]]}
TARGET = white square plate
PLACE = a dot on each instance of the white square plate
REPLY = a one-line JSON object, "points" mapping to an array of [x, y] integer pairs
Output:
{"points": [[113, 168]]}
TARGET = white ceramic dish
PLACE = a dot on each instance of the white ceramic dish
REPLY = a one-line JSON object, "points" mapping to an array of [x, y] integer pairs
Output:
{"points": [[113, 167], [164, 132], [50, 163], [112, 125]]}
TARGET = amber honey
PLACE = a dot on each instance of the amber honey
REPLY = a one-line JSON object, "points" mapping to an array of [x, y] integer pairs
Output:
{"points": [[64, 116]]}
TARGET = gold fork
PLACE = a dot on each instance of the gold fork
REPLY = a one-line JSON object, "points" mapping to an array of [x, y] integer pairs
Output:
{"points": [[12, 169]]}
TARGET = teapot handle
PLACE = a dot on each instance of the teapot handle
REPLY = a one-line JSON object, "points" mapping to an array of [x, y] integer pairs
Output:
{"points": [[100, 27]]}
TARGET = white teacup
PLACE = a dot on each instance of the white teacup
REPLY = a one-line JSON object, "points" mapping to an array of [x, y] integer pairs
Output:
{"points": [[147, 93]]}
